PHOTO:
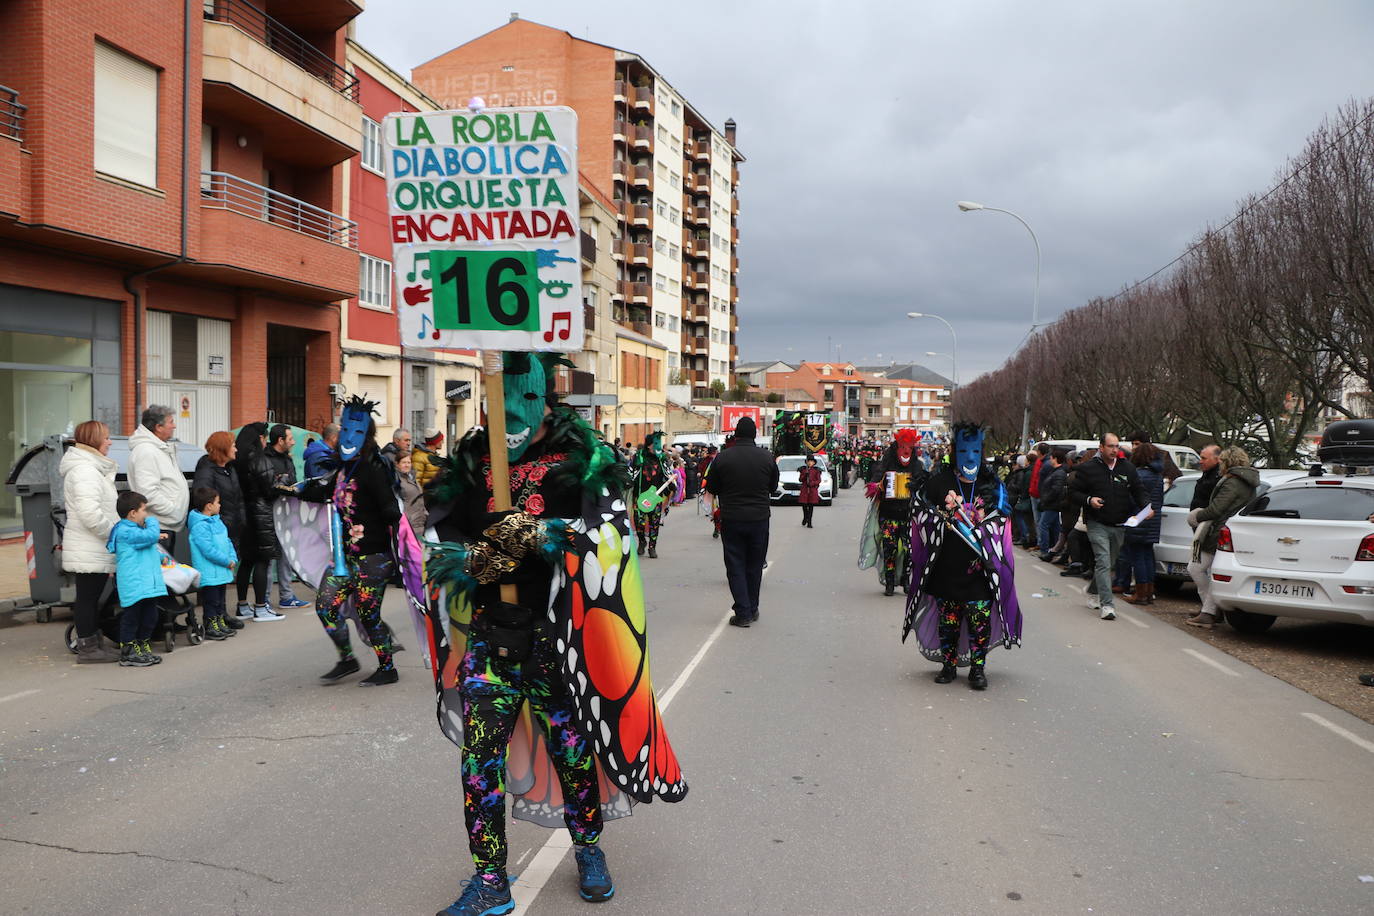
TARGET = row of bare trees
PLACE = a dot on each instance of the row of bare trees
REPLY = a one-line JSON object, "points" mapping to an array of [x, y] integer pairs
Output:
{"points": [[1253, 336]]}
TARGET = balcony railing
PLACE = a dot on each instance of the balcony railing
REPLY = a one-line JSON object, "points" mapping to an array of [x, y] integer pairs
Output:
{"points": [[11, 114], [285, 42], [230, 192]]}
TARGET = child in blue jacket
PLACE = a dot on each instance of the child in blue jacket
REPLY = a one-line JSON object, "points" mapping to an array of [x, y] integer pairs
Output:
{"points": [[213, 554], [138, 573]]}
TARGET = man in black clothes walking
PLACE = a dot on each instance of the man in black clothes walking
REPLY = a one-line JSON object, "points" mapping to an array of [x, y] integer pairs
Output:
{"points": [[741, 479]]}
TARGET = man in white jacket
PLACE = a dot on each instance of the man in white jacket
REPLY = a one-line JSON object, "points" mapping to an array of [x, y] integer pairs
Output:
{"points": [[154, 470]]}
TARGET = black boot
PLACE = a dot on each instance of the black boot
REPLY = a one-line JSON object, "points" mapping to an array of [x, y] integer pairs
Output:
{"points": [[653, 551], [947, 673], [232, 622], [380, 677], [640, 549], [344, 668], [977, 678]]}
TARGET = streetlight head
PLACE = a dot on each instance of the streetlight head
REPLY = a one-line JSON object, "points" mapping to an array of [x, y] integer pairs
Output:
{"points": [[933, 353], [915, 314], [967, 205]]}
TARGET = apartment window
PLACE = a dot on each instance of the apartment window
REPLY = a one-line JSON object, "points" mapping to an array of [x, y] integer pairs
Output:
{"points": [[662, 170], [674, 287], [675, 108], [660, 282], [673, 252], [660, 321], [125, 117], [672, 322], [374, 283], [675, 216], [372, 145], [661, 245], [675, 179], [662, 209], [672, 360]]}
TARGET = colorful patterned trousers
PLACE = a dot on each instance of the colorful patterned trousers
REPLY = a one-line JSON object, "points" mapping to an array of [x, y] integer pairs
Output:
{"points": [[365, 584], [979, 617], [892, 535], [493, 691], [647, 525]]}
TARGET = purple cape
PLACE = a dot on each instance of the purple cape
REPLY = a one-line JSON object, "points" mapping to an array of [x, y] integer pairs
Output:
{"points": [[928, 531]]}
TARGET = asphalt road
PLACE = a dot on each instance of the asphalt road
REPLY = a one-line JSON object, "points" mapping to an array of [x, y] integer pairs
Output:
{"points": [[1112, 767]]}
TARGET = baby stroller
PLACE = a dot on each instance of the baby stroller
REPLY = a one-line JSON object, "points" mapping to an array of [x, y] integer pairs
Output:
{"points": [[181, 580]]}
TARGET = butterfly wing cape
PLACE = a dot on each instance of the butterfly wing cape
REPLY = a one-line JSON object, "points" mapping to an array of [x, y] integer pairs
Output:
{"points": [[991, 539], [596, 605]]}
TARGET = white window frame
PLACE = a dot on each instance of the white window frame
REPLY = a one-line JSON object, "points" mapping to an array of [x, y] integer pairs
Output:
{"points": [[125, 99], [372, 142], [374, 284]]}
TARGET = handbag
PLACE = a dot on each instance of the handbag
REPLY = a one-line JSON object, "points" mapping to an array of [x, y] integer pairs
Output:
{"points": [[508, 629]]}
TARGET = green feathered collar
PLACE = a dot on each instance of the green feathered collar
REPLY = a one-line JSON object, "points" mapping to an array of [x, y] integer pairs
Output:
{"points": [[591, 464]]}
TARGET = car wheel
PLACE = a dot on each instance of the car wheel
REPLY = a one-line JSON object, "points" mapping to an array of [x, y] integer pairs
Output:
{"points": [[1248, 622]]}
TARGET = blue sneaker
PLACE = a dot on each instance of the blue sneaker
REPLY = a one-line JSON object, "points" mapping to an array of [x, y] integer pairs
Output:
{"points": [[593, 877], [480, 899], [293, 601]]}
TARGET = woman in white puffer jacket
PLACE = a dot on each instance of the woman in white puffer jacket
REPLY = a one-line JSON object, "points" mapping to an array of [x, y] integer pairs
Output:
{"points": [[88, 489]]}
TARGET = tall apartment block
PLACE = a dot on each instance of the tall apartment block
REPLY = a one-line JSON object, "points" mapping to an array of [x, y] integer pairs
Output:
{"points": [[672, 176]]}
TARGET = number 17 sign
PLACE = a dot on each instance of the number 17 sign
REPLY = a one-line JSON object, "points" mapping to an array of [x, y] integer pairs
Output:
{"points": [[483, 220]]}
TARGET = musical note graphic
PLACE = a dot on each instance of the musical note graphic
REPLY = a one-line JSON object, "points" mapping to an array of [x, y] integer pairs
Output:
{"points": [[556, 289], [564, 318], [548, 257], [414, 295], [424, 275], [426, 323]]}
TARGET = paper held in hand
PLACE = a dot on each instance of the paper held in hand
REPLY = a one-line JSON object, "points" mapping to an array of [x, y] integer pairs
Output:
{"points": [[1143, 515]]}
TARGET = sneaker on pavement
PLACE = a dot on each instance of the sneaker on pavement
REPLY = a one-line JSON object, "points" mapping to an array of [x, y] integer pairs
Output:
{"points": [[1108, 612], [216, 630], [344, 668], [232, 622], [131, 656], [593, 877], [380, 678], [1202, 621], [244, 611], [147, 651], [1094, 602], [293, 601], [480, 899], [265, 612]]}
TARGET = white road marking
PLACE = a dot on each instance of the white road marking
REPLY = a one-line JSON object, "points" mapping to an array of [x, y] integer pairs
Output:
{"points": [[1131, 618], [535, 875], [1041, 568], [18, 696], [1213, 662], [1344, 733]]}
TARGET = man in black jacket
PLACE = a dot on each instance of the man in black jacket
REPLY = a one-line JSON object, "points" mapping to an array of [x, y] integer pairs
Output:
{"points": [[1108, 491], [1211, 473], [742, 478]]}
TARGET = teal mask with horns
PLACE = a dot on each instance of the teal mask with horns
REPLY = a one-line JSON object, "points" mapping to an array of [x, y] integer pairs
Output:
{"points": [[525, 389]]}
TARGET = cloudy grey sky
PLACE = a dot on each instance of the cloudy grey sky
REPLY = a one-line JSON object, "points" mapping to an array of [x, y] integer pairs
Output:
{"points": [[1117, 130]]}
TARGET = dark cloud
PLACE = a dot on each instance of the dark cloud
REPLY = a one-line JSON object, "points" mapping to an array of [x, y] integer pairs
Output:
{"points": [[1119, 131]]}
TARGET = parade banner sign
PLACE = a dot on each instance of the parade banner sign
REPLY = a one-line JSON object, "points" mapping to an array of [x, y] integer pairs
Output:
{"points": [[731, 414], [483, 217]]}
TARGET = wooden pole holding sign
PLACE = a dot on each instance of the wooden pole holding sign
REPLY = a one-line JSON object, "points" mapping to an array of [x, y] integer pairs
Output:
{"points": [[493, 381]]}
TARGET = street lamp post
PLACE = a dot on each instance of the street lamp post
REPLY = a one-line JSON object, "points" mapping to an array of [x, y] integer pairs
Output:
{"points": [[967, 206], [954, 353]]}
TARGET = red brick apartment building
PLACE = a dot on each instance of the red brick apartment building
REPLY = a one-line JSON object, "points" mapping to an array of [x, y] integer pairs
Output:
{"points": [[171, 174]]}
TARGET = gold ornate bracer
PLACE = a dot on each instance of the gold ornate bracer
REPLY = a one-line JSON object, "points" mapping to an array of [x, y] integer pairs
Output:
{"points": [[518, 534], [487, 564]]}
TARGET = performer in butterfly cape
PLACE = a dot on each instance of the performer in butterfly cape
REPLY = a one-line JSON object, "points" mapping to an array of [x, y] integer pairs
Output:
{"points": [[963, 598], [558, 681], [891, 481], [368, 512], [650, 472]]}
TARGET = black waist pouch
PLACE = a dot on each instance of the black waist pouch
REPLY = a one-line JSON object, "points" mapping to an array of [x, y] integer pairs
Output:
{"points": [[508, 629]]}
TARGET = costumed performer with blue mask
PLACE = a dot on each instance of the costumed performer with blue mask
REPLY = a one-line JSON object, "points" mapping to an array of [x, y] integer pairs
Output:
{"points": [[555, 684], [360, 488], [962, 598]]}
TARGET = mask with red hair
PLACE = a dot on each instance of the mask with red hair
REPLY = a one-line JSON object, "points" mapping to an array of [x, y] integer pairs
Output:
{"points": [[906, 442]]}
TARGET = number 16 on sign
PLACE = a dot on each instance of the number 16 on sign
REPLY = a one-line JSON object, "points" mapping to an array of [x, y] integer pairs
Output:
{"points": [[494, 299]]}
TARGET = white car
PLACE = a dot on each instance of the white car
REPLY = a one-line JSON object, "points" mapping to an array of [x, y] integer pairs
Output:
{"points": [[1304, 549], [789, 480], [1175, 547]]}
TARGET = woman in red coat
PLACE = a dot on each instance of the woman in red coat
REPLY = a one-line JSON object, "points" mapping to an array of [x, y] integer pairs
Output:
{"points": [[810, 479]]}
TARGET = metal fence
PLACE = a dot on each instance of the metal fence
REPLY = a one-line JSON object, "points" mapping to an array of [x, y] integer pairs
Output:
{"points": [[11, 114], [230, 192], [284, 41]]}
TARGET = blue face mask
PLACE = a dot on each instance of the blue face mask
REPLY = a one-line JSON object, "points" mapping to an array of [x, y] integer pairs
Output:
{"points": [[968, 452], [353, 425]]}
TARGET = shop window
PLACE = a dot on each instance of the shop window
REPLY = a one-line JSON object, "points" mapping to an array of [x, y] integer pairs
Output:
{"points": [[125, 117]]}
